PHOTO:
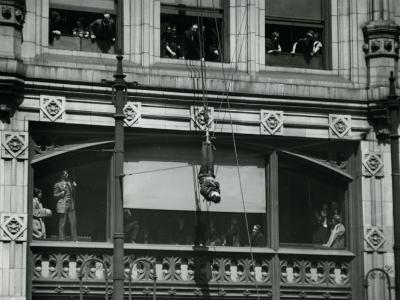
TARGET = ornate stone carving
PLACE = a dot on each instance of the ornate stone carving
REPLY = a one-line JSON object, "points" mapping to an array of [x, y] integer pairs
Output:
{"points": [[375, 239], [202, 118], [373, 164], [52, 108], [15, 145], [381, 39], [13, 227], [271, 122], [339, 125], [132, 113], [12, 13]]}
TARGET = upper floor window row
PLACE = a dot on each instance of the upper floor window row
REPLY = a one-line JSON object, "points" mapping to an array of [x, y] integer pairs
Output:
{"points": [[296, 32]]}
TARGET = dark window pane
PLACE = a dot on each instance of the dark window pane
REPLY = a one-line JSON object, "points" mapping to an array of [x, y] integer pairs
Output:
{"points": [[81, 207], [297, 9], [150, 226], [179, 40], [311, 206], [81, 31]]}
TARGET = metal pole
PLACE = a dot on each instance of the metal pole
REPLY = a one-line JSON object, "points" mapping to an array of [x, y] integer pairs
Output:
{"points": [[393, 106], [120, 89]]}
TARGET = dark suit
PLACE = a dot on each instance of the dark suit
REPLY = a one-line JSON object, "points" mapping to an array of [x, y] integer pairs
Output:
{"points": [[63, 192]]}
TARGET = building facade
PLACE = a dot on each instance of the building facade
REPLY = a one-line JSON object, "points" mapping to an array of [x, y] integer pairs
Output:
{"points": [[289, 92]]}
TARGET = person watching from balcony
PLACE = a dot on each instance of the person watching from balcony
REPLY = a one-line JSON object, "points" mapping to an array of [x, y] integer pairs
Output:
{"points": [[171, 44], [192, 43], [38, 212], [257, 237], [81, 30], [272, 44], [321, 225], [64, 193], [336, 239], [103, 29], [209, 186], [309, 45], [55, 26], [232, 237]]}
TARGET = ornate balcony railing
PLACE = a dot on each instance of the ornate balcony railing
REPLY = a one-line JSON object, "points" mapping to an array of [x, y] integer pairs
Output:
{"points": [[190, 271]]}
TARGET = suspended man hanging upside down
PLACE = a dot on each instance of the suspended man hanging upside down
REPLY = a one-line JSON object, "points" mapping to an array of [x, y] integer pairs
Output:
{"points": [[209, 187]]}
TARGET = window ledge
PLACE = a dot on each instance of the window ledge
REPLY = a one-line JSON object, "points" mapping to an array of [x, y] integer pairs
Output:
{"points": [[316, 252], [81, 53], [128, 246]]}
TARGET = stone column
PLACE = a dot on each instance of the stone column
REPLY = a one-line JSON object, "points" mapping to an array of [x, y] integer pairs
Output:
{"points": [[14, 155], [377, 214], [381, 37], [13, 209]]}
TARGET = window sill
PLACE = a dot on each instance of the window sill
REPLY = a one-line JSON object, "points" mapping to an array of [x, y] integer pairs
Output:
{"points": [[316, 251], [159, 247], [81, 53]]}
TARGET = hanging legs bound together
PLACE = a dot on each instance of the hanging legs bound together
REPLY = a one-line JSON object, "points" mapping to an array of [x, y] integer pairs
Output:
{"points": [[209, 187]]}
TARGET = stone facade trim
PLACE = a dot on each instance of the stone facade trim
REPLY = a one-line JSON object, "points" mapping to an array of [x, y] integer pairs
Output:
{"points": [[14, 145], [271, 122], [52, 108], [198, 120], [339, 125], [132, 113], [13, 227]]}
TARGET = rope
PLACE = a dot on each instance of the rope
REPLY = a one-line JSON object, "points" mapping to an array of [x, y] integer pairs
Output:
{"points": [[227, 88]]}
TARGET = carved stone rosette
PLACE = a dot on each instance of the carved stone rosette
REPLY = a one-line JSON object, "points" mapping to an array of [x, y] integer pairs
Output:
{"points": [[13, 227], [374, 239], [52, 108], [14, 145], [12, 12], [271, 122], [381, 39], [373, 165], [132, 113], [339, 125], [200, 119]]}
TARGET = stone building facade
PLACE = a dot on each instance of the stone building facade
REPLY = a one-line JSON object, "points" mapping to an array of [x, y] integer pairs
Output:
{"points": [[296, 135]]}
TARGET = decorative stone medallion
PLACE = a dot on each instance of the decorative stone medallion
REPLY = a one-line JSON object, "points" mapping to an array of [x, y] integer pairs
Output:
{"points": [[202, 118], [374, 238], [373, 164], [271, 122], [13, 227], [14, 145], [339, 125], [52, 108], [132, 113]]}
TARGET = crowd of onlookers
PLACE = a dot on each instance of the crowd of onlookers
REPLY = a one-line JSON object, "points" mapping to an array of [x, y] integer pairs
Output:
{"points": [[180, 40]]}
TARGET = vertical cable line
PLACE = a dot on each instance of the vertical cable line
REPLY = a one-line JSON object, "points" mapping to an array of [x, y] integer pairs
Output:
{"points": [[227, 88]]}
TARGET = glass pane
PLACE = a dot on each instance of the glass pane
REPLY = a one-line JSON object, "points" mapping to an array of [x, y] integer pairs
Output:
{"points": [[146, 226], [298, 9], [173, 169], [202, 3], [311, 207], [82, 31], [67, 198]]}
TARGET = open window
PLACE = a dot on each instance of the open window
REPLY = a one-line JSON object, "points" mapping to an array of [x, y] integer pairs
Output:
{"points": [[163, 205], [82, 25], [191, 32], [74, 186], [297, 33], [312, 205]]}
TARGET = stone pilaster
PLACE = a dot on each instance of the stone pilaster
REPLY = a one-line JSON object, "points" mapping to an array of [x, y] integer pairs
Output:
{"points": [[377, 213], [381, 49], [12, 18], [13, 208]]}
